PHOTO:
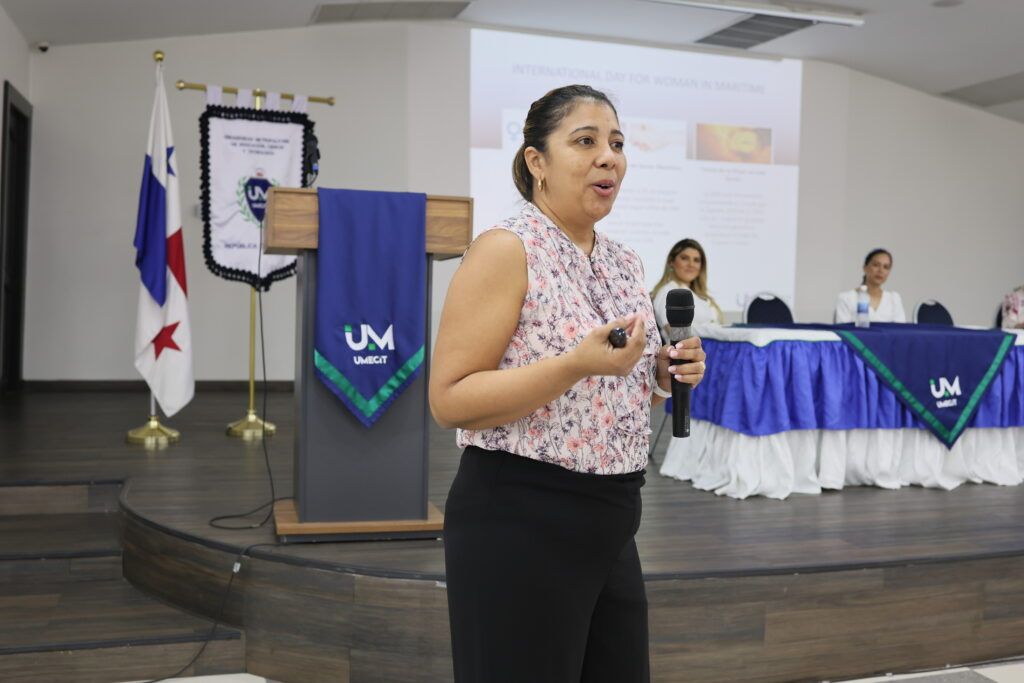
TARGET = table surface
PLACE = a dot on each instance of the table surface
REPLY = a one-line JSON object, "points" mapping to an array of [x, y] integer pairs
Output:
{"points": [[762, 336]]}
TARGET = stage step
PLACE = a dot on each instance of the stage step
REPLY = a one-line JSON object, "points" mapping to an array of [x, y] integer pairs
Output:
{"points": [[50, 548], [60, 497], [104, 631]]}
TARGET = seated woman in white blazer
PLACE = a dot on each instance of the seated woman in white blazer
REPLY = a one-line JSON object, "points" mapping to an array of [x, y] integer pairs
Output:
{"points": [[686, 267], [885, 306]]}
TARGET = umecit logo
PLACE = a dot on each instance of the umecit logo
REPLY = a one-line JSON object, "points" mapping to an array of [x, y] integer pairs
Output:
{"points": [[945, 391], [251, 194], [369, 340]]}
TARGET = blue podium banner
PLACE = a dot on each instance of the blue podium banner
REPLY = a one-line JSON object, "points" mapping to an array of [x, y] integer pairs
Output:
{"points": [[370, 327]]}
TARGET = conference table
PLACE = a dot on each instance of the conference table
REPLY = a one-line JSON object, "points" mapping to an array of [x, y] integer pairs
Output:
{"points": [[801, 408]]}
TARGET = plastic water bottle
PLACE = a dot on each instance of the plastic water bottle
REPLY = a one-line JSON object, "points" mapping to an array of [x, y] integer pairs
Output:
{"points": [[863, 301]]}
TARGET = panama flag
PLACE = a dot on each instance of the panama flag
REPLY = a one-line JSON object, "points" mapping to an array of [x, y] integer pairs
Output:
{"points": [[163, 336]]}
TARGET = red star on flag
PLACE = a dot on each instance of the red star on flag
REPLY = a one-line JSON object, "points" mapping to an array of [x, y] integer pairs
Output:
{"points": [[165, 339]]}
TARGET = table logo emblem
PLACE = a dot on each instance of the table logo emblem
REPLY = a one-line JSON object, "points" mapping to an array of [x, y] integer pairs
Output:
{"points": [[945, 391]]}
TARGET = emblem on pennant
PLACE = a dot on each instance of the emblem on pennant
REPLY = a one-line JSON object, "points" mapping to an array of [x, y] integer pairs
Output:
{"points": [[252, 196]]}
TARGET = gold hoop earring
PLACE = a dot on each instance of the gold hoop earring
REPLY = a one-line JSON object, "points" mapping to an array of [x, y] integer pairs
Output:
{"points": [[540, 184]]}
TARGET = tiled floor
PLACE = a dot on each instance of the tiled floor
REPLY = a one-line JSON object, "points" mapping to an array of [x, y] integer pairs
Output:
{"points": [[1012, 672], [997, 673], [1005, 673]]}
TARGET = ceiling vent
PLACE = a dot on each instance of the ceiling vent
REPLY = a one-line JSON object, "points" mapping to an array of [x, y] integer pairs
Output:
{"points": [[754, 31], [990, 93], [337, 12]]}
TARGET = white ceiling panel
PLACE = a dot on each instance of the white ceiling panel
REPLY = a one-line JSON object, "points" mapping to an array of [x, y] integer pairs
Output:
{"points": [[912, 42]]}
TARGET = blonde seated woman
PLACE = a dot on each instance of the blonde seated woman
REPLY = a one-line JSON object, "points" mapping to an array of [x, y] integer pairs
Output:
{"points": [[686, 268], [885, 306]]}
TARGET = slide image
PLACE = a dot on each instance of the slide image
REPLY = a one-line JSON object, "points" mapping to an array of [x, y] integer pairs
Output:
{"points": [[739, 144]]}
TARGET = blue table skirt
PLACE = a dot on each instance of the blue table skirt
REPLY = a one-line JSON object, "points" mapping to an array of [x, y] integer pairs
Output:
{"points": [[786, 385]]}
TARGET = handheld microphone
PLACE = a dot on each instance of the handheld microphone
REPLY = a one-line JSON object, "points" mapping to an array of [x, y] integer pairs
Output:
{"points": [[679, 312]]}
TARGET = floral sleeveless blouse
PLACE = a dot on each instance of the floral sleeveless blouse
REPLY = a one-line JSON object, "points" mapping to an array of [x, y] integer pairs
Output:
{"points": [[602, 424]]}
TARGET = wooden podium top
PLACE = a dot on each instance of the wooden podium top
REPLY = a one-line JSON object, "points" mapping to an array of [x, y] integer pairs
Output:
{"points": [[292, 222]]}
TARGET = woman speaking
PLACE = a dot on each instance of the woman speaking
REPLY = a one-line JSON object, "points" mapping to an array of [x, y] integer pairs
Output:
{"points": [[544, 580]]}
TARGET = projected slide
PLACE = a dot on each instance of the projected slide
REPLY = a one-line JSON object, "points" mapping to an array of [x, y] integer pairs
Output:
{"points": [[712, 144]]}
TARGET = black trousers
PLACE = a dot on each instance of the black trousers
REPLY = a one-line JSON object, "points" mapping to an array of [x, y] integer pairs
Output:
{"points": [[544, 580]]}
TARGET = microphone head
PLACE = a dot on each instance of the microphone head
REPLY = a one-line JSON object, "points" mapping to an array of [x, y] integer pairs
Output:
{"points": [[679, 308]]}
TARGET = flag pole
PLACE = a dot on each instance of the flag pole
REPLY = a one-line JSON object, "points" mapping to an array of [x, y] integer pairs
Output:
{"points": [[252, 426], [153, 435]]}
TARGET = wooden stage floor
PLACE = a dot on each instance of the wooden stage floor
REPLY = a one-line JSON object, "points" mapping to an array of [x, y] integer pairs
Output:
{"points": [[814, 587]]}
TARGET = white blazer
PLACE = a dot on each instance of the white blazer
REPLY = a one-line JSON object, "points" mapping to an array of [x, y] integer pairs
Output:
{"points": [[890, 308]]}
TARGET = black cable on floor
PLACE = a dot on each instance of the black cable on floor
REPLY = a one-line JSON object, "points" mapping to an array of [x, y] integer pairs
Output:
{"points": [[214, 522], [235, 568]]}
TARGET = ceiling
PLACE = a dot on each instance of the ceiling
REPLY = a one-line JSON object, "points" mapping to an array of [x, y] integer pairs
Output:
{"points": [[936, 50]]}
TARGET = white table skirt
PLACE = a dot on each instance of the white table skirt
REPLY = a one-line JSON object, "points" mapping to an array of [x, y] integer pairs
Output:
{"points": [[806, 461]]}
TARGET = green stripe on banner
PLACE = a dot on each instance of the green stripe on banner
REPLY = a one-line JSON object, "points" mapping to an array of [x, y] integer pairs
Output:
{"points": [[949, 436], [990, 375], [368, 406], [897, 385]]}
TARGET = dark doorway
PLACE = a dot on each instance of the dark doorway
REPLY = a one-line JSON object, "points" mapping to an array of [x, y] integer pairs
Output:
{"points": [[17, 133]]}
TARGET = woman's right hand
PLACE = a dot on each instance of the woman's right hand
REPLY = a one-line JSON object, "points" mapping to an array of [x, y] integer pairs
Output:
{"points": [[596, 356]]}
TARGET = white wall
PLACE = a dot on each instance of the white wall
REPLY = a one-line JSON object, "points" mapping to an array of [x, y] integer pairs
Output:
{"points": [[14, 60], [936, 182], [14, 55], [940, 184], [820, 253], [438, 152], [92, 114]]}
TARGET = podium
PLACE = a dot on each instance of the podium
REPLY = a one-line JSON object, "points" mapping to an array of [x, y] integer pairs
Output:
{"points": [[354, 482]]}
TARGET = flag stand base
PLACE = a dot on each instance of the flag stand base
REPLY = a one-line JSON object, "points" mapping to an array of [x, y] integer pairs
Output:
{"points": [[251, 427], [153, 435]]}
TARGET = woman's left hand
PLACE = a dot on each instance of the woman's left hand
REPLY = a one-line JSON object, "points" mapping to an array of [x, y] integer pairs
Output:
{"points": [[684, 360]]}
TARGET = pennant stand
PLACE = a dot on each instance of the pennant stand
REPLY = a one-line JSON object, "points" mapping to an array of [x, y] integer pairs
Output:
{"points": [[251, 426]]}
